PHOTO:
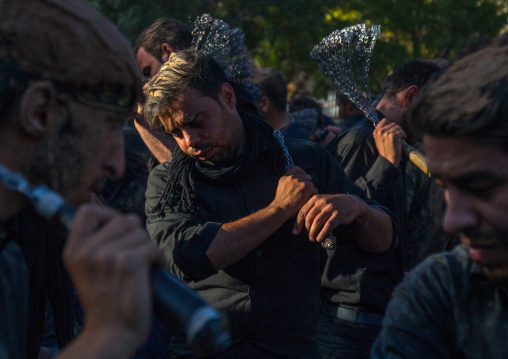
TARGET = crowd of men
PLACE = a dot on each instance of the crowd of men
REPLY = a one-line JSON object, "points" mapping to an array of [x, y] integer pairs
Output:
{"points": [[241, 191]]}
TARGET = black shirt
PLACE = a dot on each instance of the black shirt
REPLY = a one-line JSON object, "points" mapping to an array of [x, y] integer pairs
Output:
{"points": [[445, 308], [350, 122], [415, 198], [368, 279], [14, 286], [271, 295]]}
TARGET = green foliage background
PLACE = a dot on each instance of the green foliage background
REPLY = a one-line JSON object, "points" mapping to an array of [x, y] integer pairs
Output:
{"points": [[281, 33]]}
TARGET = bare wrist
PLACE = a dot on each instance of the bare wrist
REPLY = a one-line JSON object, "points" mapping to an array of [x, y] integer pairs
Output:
{"points": [[279, 211], [363, 218]]}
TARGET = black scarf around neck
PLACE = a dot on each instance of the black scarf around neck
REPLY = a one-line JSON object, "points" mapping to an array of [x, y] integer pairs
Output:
{"points": [[179, 194]]}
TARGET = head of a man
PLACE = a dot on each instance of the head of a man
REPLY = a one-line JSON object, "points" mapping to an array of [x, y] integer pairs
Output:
{"points": [[273, 99], [62, 114], [401, 88], [158, 41], [347, 108], [463, 117], [192, 100]]}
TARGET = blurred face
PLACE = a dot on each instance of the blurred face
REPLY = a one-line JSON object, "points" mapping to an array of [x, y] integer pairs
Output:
{"points": [[148, 64], [344, 110], [79, 152], [475, 178], [205, 129]]}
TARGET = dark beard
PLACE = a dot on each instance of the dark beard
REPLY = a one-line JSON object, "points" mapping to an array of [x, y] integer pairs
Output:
{"points": [[58, 160]]}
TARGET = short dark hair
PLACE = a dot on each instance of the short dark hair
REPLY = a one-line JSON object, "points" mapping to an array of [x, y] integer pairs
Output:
{"points": [[184, 70], [272, 85], [469, 100], [304, 102], [415, 73], [173, 32], [342, 99]]}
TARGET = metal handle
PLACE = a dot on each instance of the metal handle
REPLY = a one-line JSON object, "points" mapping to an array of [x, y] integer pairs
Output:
{"points": [[416, 157], [330, 242]]}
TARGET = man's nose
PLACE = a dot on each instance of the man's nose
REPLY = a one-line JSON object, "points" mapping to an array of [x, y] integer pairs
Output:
{"points": [[191, 138], [460, 214]]}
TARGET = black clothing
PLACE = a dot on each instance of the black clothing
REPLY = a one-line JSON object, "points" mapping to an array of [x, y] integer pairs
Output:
{"points": [[127, 194], [14, 286], [179, 193], [424, 212], [42, 244], [293, 130], [270, 295], [338, 338], [350, 122], [445, 308], [415, 198], [366, 280]]}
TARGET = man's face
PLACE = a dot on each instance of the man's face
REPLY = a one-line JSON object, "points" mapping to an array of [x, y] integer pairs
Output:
{"points": [[475, 178], [148, 64], [343, 110], [205, 129], [78, 153]]}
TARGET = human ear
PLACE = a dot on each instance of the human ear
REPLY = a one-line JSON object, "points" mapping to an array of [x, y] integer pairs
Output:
{"points": [[263, 104], [229, 95], [410, 95], [37, 104], [166, 50]]}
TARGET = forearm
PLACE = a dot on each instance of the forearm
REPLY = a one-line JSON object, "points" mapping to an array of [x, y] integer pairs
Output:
{"points": [[235, 240], [161, 145], [373, 229]]}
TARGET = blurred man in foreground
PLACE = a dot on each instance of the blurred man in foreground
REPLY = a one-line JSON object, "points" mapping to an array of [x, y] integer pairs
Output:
{"points": [[61, 126]]}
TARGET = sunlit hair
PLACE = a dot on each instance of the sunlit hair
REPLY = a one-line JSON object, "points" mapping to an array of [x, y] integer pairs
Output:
{"points": [[470, 99], [185, 70], [415, 73]]}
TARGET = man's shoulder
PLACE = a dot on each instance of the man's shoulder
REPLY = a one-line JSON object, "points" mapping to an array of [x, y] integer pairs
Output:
{"points": [[299, 147], [446, 270], [356, 135], [159, 170], [157, 180]]}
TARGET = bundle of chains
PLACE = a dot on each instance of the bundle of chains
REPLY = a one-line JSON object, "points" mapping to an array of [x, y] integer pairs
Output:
{"points": [[215, 38], [226, 46], [344, 56]]}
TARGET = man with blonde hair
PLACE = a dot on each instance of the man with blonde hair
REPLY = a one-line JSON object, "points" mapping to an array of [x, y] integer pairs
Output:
{"points": [[229, 210]]}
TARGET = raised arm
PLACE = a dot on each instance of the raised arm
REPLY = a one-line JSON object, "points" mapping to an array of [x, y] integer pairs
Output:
{"points": [[159, 143], [109, 256], [236, 239], [372, 227]]}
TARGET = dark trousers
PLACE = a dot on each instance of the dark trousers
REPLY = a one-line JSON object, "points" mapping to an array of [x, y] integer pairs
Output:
{"points": [[339, 338]]}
